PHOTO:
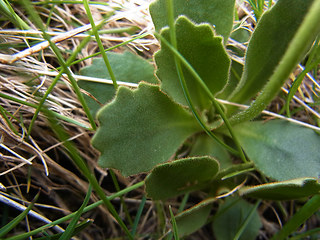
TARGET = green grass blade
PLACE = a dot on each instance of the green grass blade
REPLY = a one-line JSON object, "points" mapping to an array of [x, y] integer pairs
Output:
{"points": [[123, 203], [96, 34], [80, 163], [109, 49], [69, 232], [312, 206], [68, 2], [37, 20], [66, 218], [8, 227], [246, 222], [183, 202], [174, 225], [306, 234], [57, 115], [80, 227], [8, 12], [138, 216], [82, 44], [312, 62], [4, 113]]}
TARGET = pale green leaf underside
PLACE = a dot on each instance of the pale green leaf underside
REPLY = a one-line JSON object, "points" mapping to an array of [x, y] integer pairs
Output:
{"points": [[126, 66], [204, 52], [140, 129], [230, 217], [181, 176], [286, 190], [216, 12], [280, 149], [268, 44]]}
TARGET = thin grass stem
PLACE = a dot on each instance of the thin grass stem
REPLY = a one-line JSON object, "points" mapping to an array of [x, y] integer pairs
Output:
{"points": [[86, 209], [57, 115], [100, 45], [37, 20], [80, 163]]}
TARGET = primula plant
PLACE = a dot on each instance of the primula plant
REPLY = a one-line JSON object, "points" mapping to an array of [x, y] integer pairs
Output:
{"points": [[193, 122]]}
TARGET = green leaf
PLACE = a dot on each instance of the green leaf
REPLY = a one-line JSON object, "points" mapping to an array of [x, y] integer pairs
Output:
{"points": [[205, 146], [181, 176], [127, 67], [204, 52], [194, 218], [140, 129], [286, 190], [216, 12], [69, 232], [268, 44], [230, 218], [280, 149]]}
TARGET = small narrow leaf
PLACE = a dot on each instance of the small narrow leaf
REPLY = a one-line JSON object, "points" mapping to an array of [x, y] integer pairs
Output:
{"points": [[126, 66], [286, 190], [194, 218], [140, 129], [230, 217], [204, 52], [268, 44], [181, 176], [216, 12], [280, 149]]}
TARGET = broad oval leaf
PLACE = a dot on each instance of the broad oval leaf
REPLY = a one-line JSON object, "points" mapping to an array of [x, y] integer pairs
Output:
{"points": [[280, 149], [180, 176], [286, 190], [231, 215], [194, 218], [126, 66], [268, 44], [204, 52], [216, 12], [140, 129]]}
